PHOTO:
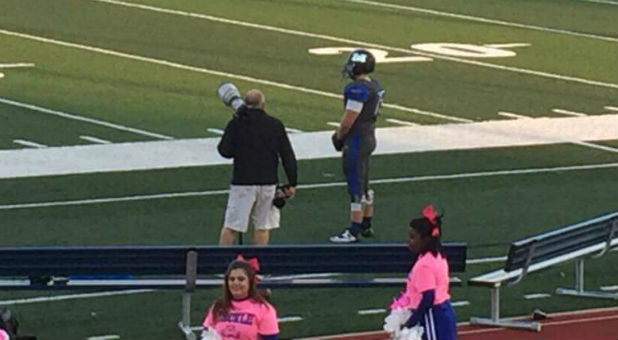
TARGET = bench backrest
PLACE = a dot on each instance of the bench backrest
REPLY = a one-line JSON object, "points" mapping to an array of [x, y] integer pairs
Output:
{"points": [[562, 241], [171, 260]]}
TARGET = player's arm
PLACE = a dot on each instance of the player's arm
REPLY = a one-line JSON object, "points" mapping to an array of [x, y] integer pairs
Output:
{"points": [[356, 95], [347, 120]]}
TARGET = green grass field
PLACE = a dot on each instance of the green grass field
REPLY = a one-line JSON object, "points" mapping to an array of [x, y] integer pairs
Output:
{"points": [[147, 70]]}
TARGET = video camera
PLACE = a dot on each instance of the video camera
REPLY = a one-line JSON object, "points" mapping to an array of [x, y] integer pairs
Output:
{"points": [[280, 196], [230, 96]]}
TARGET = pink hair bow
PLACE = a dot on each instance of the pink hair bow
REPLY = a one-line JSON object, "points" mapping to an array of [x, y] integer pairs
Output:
{"points": [[252, 262], [430, 213]]}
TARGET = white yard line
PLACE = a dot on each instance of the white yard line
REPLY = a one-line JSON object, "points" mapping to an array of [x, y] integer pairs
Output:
{"points": [[512, 115], [536, 296], [484, 20], [291, 130], [611, 108], [460, 303], [609, 288], [95, 140], [104, 337], [318, 185], [606, 2], [29, 143], [357, 43], [84, 119], [215, 73], [507, 45], [72, 297], [569, 113], [596, 146], [290, 318], [371, 311], [15, 65], [400, 122], [486, 260], [335, 124], [216, 131]]}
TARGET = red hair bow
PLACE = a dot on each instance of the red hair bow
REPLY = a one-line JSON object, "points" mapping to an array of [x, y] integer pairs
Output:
{"points": [[252, 262]]}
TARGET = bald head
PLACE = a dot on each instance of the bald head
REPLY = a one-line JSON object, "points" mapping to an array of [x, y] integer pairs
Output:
{"points": [[255, 99]]}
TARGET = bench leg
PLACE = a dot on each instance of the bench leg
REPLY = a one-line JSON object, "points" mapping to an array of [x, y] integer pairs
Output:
{"points": [[579, 286], [185, 323], [495, 320]]}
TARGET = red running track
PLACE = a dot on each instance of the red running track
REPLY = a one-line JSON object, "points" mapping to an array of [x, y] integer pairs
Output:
{"points": [[597, 324]]}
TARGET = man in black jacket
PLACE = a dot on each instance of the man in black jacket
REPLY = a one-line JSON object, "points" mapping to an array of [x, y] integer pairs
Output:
{"points": [[255, 141]]}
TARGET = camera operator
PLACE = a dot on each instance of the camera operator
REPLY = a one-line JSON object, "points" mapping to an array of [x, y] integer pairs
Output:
{"points": [[255, 141]]}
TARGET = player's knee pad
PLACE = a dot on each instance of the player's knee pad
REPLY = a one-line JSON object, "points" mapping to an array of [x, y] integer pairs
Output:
{"points": [[368, 198]]}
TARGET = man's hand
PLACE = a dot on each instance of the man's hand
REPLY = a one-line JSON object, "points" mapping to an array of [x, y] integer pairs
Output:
{"points": [[290, 191], [337, 143]]}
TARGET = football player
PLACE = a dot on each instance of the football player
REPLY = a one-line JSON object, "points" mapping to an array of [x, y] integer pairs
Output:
{"points": [[355, 137]]}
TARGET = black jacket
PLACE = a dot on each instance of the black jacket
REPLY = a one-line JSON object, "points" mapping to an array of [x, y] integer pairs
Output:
{"points": [[256, 141]]}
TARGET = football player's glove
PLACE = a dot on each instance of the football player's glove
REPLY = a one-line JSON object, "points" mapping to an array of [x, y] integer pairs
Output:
{"points": [[337, 143], [359, 62], [229, 95]]}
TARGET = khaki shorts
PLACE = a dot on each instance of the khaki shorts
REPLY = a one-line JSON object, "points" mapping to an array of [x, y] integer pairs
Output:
{"points": [[251, 201]]}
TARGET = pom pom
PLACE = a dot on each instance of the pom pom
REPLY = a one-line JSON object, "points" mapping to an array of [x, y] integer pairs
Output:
{"points": [[396, 319], [210, 334], [412, 333]]}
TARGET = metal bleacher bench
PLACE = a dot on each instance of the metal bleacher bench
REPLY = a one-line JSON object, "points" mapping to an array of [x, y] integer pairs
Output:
{"points": [[188, 267], [591, 238]]}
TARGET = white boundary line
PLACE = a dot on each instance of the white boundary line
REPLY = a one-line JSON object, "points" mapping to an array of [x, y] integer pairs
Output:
{"points": [[312, 186], [83, 119], [611, 108], [580, 143], [484, 20], [218, 73], [608, 288], [356, 43]]}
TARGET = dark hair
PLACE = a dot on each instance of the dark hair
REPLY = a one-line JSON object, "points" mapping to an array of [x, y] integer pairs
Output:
{"points": [[430, 232], [221, 306]]}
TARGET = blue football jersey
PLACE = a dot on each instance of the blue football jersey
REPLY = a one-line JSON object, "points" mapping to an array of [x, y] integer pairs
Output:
{"points": [[370, 93]]}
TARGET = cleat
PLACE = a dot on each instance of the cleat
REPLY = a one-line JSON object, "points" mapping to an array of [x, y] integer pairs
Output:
{"points": [[367, 232], [345, 237]]}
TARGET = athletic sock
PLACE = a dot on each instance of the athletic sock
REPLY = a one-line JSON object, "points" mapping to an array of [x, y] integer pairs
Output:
{"points": [[366, 224], [355, 228]]}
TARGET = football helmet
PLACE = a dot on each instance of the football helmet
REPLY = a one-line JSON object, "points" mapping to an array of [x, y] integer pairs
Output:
{"points": [[359, 61]]}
